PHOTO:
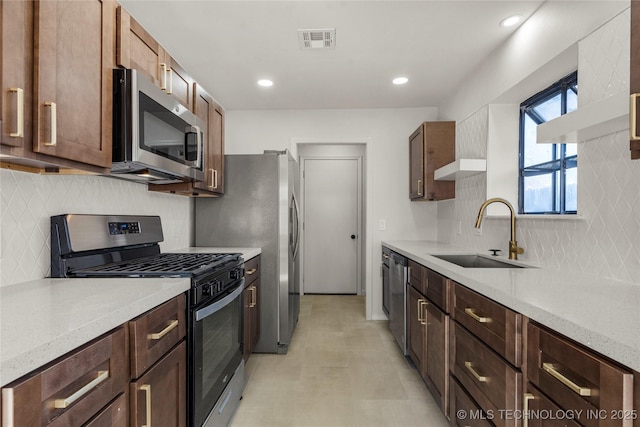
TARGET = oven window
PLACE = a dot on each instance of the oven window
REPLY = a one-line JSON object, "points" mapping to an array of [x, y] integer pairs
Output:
{"points": [[217, 353], [161, 131]]}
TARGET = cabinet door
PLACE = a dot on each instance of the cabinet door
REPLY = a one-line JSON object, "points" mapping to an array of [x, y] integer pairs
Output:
{"points": [[179, 84], [437, 355], [247, 347], [16, 44], [416, 164], [431, 146], [158, 398], [416, 330], [634, 75], [213, 115], [135, 48], [74, 59], [255, 314]]}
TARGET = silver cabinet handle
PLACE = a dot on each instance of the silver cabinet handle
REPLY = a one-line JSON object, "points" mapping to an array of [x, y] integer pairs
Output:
{"points": [[19, 133], [54, 125], [147, 391], [64, 403], [172, 325], [214, 173]]}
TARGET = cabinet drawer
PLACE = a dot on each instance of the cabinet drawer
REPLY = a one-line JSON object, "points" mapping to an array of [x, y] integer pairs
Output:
{"points": [[464, 412], [73, 389], [537, 409], [156, 332], [416, 277], [497, 326], [492, 382], [251, 270], [437, 289], [114, 415], [576, 378]]}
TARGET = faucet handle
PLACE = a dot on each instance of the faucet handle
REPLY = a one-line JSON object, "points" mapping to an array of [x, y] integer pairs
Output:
{"points": [[495, 251]]}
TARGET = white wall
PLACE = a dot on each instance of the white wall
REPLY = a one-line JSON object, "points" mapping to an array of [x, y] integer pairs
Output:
{"points": [[606, 240], [386, 133], [28, 200]]}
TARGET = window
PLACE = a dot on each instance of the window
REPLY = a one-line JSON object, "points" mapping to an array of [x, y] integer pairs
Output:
{"points": [[548, 179]]}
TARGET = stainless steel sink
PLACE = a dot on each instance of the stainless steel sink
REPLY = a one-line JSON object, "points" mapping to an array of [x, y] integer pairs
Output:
{"points": [[477, 261]]}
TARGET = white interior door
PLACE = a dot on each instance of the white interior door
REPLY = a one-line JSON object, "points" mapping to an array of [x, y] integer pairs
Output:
{"points": [[331, 226]]}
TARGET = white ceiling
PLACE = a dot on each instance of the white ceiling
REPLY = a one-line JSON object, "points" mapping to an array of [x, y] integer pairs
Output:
{"points": [[228, 45]]}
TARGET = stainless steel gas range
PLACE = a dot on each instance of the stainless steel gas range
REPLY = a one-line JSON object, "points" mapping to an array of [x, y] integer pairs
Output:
{"points": [[128, 246]]}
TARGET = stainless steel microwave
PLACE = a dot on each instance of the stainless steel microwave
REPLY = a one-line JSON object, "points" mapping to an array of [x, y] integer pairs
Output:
{"points": [[155, 138]]}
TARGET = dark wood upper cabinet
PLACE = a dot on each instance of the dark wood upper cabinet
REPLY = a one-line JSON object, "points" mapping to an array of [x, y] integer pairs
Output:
{"points": [[73, 76], [431, 146], [136, 48], [16, 44], [634, 75]]}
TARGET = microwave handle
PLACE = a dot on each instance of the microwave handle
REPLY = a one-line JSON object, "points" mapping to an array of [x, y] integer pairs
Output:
{"points": [[199, 146]]}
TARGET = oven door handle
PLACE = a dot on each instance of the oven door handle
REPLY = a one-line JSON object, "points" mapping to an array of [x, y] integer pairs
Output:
{"points": [[216, 306]]}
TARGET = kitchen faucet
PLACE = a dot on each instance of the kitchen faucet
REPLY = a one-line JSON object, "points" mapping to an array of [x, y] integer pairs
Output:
{"points": [[514, 250]]}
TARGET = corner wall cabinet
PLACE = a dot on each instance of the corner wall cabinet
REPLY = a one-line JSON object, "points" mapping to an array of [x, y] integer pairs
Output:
{"points": [[431, 146], [251, 306], [57, 102], [634, 81]]}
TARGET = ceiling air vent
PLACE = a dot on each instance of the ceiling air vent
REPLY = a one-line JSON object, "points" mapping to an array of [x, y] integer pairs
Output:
{"points": [[317, 39]]}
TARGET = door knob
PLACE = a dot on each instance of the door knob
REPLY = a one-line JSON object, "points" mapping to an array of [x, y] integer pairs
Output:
{"points": [[353, 236]]}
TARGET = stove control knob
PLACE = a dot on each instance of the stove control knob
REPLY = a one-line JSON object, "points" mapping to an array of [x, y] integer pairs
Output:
{"points": [[207, 290], [236, 273]]}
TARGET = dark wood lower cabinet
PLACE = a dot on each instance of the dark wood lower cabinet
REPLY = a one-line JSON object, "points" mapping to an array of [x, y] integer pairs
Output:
{"points": [[251, 304], [437, 355], [114, 415], [74, 389], [158, 397]]}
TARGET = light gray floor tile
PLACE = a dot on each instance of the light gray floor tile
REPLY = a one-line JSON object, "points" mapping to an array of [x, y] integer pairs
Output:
{"points": [[341, 370]]}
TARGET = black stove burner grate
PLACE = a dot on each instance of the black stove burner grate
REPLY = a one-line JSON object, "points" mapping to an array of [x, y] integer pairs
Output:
{"points": [[165, 264]]}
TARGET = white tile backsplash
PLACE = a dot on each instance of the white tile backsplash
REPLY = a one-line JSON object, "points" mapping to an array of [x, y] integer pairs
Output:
{"points": [[28, 200], [605, 241]]}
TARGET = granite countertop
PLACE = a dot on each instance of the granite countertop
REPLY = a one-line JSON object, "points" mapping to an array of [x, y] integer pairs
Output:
{"points": [[44, 319], [602, 314]]}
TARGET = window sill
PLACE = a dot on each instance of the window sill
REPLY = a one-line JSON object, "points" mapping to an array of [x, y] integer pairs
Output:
{"points": [[565, 217]]}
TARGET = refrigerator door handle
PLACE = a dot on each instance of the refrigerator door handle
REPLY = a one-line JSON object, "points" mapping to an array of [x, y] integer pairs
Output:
{"points": [[295, 228]]}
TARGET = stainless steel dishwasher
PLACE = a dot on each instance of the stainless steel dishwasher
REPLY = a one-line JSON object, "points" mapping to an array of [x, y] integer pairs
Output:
{"points": [[398, 299]]}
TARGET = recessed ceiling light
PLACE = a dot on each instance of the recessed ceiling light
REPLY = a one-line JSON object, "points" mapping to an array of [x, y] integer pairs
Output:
{"points": [[265, 83], [400, 80], [510, 21]]}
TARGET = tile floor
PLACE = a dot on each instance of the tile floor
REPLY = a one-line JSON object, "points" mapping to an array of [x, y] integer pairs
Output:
{"points": [[341, 370]]}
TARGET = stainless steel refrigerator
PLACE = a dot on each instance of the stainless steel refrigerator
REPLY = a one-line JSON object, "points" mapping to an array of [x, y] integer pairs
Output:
{"points": [[260, 209]]}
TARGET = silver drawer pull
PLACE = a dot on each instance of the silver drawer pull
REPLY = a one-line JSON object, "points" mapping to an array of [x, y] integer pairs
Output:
{"points": [[250, 272], [172, 325], [471, 312], [551, 369], [476, 375], [64, 403]]}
